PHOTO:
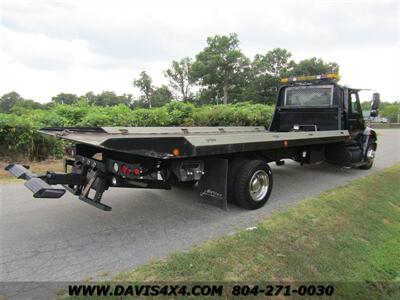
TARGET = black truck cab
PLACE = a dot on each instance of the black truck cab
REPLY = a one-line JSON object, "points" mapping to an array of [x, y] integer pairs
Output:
{"points": [[319, 103], [315, 105]]}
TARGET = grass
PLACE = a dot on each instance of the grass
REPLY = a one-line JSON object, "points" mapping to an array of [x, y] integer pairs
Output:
{"points": [[36, 167], [349, 235]]}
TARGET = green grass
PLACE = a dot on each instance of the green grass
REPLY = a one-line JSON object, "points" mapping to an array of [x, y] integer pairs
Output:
{"points": [[349, 235]]}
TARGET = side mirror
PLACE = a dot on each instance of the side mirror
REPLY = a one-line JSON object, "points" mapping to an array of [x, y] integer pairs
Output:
{"points": [[375, 105]]}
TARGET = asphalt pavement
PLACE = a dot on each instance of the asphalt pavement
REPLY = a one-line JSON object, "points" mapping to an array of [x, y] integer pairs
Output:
{"points": [[66, 239]]}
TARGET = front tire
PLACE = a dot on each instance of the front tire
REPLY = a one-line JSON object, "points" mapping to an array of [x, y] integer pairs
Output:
{"points": [[369, 157], [253, 184]]}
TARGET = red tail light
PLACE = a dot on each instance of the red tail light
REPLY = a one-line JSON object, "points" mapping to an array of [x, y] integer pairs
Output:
{"points": [[124, 169]]}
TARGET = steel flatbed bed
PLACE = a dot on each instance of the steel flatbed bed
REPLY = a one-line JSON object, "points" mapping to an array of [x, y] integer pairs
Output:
{"points": [[159, 142]]}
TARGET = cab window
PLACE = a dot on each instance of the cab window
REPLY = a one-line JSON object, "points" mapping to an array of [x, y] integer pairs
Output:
{"points": [[309, 96], [355, 104]]}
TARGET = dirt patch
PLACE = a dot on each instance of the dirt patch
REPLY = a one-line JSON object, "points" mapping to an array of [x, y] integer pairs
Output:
{"points": [[55, 165]]}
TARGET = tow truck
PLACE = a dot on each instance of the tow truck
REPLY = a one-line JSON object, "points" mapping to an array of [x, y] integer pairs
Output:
{"points": [[315, 120]]}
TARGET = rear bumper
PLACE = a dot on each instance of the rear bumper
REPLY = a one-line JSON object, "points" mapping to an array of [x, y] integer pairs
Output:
{"points": [[88, 180]]}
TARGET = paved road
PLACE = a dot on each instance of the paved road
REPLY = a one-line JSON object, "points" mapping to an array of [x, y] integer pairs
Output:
{"points": [[66, 239]]}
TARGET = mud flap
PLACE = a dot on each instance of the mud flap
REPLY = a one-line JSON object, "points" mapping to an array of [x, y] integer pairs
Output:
{"points": [[213, 184]]}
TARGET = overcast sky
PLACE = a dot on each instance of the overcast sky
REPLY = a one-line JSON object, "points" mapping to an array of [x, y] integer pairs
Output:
{"points": [[48, 47]]}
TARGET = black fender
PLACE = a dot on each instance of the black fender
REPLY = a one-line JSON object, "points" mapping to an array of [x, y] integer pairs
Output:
{"points": [[369, 136]]}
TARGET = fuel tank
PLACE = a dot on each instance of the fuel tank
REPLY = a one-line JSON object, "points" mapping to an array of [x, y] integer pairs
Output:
{"points": [[342, 154]]}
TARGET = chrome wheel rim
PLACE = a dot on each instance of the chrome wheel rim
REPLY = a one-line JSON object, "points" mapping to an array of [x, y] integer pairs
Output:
{"points": [[370, 154], [258, 185]]}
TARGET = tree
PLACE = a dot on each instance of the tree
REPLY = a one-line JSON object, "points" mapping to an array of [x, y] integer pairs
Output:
{"points": [[314, 66], [7, 101], [276, 63], [221, 65], [126, 99], [108, 98], [20, 107], [180, 78], [160, 96], [64, 98], [144, 83], [265, 73], [90, 97]]}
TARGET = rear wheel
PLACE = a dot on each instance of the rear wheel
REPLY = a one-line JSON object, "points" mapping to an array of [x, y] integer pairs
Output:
{"points": [[233, 168], [253, 184], [369, 157]]}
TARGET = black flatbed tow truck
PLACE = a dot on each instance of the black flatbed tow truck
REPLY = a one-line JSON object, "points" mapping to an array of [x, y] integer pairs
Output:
{"points": [[315, 120]]}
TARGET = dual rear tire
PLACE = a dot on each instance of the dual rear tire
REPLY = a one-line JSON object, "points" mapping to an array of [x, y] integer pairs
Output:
{"points": [[249, 183]]}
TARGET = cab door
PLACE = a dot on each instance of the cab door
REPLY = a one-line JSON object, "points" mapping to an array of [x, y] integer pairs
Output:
{"points": [[355, 120]]}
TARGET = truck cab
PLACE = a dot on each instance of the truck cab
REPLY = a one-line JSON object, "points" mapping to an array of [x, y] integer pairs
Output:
{"points": [[319, 103], [314, 103]]}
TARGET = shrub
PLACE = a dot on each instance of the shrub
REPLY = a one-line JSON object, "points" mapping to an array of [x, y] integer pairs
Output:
{"points": [[390, 111], [179, 113], [19, 138], [19, 135]]}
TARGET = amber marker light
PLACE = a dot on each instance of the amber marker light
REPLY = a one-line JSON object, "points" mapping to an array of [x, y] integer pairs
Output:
{"points": [[285, 144], [175, 152]]}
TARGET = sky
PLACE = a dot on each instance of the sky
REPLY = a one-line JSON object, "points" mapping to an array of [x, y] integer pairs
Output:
{"points": [[49, 47]]}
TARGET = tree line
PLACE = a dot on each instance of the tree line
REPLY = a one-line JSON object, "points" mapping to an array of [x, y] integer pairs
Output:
{"points": [[219, 74], [222, 73]]}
